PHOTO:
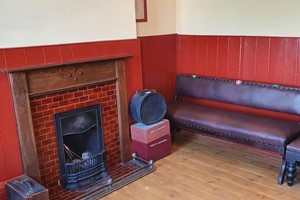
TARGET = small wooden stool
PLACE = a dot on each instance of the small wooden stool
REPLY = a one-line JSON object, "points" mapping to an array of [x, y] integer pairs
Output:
{"points": [[292, 158]]}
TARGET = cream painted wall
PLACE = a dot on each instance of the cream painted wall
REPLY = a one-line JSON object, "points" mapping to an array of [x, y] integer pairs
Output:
{"points": [[161, 18], [238, 17], [43, 22]]}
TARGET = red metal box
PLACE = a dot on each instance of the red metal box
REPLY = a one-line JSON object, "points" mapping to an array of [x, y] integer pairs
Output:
{"points": [[149, 133], [154, 150]]}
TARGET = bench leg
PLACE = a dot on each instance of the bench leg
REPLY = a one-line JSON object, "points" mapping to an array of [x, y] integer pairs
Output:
{"points": [[175, 129], [291, 173], [282, 172]]}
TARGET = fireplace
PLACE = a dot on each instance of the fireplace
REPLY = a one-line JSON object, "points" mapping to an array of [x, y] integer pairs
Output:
{"points": [[42, 92], [80, 142]]}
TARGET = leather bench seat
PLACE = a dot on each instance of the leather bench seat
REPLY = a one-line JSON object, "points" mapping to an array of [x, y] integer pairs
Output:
{"points": [[258, 129]]}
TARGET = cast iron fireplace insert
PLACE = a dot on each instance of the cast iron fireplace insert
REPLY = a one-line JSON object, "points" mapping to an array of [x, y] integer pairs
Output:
{"points": [[80, 146]]}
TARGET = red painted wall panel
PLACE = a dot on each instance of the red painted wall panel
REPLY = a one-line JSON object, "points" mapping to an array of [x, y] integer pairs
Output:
{"points": [[11, 166], [234, 57], [223, 53], [262, 59], [159, 63], [201, 55], [249, 58]]}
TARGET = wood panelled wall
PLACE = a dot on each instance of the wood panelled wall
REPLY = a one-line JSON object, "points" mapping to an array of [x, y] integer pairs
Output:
{"points": [[260, 59], [10, 159], [159, 63]]}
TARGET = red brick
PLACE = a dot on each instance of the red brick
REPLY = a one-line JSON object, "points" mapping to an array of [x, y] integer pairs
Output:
{"points": [[70, 107], [113, 97], [42, 108], [53, 105], [37, 102], [45, 170], [49, 164], [41, 138], [104, 99], [111, 92], [63, 103], [46, 180], [87, 92], [112, 112], [47, 101], [108, 118], [84, 98], [101, 94], [50, 123], [38, 144], [46, 142], [40, 126], [33, 110], [72, 101], [51, 185], [59, 110], [43, 160], [78, 94], [79, 105], [88, 103], [106, 109], [113, 87], [35, 121], [44, 119], [106, 88], [52, 146], [45, 130], [97, 90], [50, 136], [111, 103], [58, 98], [68, 96], [49, 113], [93, 96]]}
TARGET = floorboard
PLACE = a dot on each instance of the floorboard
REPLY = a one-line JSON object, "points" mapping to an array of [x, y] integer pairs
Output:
{"points": [[205, 168]]}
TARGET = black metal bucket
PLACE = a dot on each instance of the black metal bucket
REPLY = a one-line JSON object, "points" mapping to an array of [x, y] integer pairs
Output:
{"points": [[148, 107]]}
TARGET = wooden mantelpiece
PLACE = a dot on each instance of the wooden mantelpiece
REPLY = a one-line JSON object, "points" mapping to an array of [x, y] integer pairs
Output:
{"points": [[27, 82]]}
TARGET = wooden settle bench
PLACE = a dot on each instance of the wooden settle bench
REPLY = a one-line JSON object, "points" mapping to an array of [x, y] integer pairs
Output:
{"points": [[260, 131]]}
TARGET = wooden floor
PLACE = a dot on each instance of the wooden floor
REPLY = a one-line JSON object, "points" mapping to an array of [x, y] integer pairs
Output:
{"points": [[205, 168]]}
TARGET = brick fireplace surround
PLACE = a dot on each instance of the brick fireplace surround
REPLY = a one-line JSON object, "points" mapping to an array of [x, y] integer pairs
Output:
{"points": [[40, 92]]}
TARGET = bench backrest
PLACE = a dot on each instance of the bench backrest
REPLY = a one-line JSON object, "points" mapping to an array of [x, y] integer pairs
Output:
{"points": [[264, 96]]}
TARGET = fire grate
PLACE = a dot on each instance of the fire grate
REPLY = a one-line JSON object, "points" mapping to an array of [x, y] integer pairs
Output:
{"points": [[83, 165]]}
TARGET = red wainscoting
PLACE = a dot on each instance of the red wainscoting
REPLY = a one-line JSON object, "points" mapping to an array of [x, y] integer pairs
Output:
{"points": [[159, 63], [10, 159], [260, 59]]}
